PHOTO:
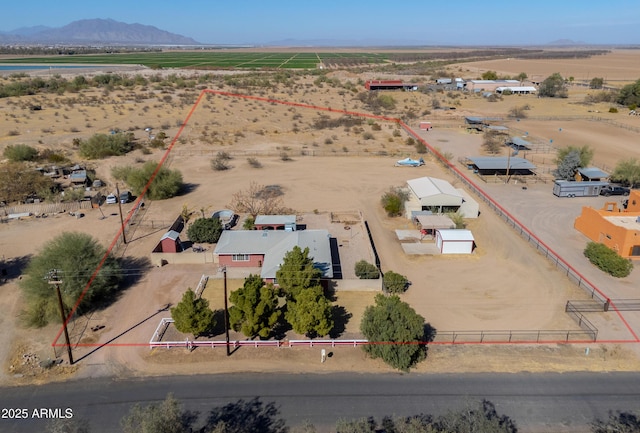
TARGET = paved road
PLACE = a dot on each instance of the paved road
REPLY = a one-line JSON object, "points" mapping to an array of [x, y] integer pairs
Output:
{"points": [[537, 402]]}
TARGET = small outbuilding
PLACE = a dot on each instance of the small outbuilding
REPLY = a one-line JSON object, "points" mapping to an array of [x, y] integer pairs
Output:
{"points": [[169, 243], [275, 222], [591, 174], [455, 241]]}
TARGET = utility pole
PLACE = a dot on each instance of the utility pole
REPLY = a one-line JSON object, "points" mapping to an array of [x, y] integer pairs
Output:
{"points": [[226, 311], [53, 279], [124, 238]]}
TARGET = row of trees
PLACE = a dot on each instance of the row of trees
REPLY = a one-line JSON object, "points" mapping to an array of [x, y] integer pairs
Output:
{"points": [[242, 416], [257, 310]]}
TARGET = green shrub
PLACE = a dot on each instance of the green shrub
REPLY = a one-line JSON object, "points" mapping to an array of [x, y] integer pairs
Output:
{"points": [[394, 282], [20, 152], [366, 271], [613, 110], [206, 230], [166, 184], [608, 260], [102, 145], [393, 201]]}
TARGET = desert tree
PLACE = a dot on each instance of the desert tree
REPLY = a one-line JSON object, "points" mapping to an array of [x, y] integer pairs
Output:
{"points": [[396, 333], [18, 181], [192, 315], [68, 425], [493, 141], [20, 152], [297, 272], [366, 271], [166, 416], [627, 172], [522, 76], [310, 312], [630, 94], [75, 257], [394, 282], [101, 146], [568, 165], [596, 83], [255, 309], [258, 200], [393, 201], [570, 158], [618, 422], [166, 183], [489, 75], [554, 86], [206, 230]]}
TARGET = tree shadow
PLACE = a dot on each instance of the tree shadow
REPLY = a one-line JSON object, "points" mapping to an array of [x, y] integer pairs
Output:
{"points": [[246, 416], [13, 268], [218, 327], [188, 188], [340, 317], [132, 270], [429, 333], [282, 327]]}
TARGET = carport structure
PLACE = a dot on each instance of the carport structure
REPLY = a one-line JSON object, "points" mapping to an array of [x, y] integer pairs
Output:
{"points": [[502, 166]]}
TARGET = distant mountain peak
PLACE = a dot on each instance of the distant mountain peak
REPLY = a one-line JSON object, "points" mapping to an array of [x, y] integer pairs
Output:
{"points": [[103, 31], [565, 42]]}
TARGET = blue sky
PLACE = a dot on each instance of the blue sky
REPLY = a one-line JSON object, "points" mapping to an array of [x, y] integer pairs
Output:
{"points": [[372, 21]]}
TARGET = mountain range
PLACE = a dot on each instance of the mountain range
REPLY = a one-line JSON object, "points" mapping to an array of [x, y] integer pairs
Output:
{"points": [[95, 32]]}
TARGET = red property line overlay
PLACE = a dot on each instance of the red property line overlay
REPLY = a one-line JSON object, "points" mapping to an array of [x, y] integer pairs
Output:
{"points": [[410, 131]]}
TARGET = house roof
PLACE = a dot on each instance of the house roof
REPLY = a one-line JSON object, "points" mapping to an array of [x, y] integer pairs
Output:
{"points": [[497, 128], [593, 173], [501, 163], [493, 81], [274, 244], [275, 219], [456, 235], [430, 186], [171, 234]]}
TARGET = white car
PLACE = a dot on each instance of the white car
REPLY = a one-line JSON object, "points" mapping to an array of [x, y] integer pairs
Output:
{"points": [[112, 199]]}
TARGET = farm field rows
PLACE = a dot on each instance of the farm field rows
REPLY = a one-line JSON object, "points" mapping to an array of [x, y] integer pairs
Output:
{"points": [[302, 60]]}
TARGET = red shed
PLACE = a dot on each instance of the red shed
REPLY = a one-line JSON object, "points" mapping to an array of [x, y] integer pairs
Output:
{"points": [[169, 243]]}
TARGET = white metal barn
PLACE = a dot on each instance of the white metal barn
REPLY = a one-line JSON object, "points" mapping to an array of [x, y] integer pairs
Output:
{"points": [[436, 195], [455, 241]]}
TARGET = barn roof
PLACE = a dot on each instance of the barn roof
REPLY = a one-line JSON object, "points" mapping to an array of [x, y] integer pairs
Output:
{"points": [[171, 234], [456, 235], [520, 142], [593, 173], [430, 186], [501, 163]]}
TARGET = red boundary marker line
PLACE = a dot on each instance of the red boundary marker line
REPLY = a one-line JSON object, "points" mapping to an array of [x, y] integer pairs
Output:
{"points": [[350, 113]]}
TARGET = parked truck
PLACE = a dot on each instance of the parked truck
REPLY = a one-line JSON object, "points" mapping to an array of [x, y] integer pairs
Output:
{"points": [[567, 188]]}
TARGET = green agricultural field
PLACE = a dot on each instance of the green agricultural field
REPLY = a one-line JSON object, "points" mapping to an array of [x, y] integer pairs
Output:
{"points": [[213, 60]]}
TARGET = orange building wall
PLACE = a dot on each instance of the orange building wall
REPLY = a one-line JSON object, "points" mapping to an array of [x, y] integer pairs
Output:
{"points": [[592, 224], [634, 201]]}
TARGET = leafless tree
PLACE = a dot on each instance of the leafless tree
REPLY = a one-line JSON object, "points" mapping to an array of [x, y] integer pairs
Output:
{"points": [[259, 200]]}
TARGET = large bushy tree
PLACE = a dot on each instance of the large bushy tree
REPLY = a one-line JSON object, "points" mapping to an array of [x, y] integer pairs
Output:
{"points": [[554, 86], [75, 256], [206, 230], [570, 158], [192, 315], [393, 201], [20, 152], [255, 308], [394, 282], [166, 183], [366, 271], [630, 94], [396, 333], [102, 145], [297, 272], [310, 313], [627, 172], [18, 181]]}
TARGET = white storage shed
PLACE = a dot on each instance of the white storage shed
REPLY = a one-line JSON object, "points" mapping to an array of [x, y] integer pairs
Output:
{"points": [[455, 241]]}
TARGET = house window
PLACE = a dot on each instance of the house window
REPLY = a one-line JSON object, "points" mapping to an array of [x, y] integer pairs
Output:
{"points": [[240, 257]]}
